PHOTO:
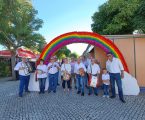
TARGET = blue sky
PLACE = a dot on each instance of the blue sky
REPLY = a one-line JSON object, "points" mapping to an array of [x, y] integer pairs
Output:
{"points": [[61, 16]]}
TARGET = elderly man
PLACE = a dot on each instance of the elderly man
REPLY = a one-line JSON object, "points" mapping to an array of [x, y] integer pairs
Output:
{"points": [[116, 71], [24, 75], [53, 68]]}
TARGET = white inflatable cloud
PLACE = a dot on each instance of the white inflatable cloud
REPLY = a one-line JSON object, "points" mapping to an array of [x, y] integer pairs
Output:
{"points": [[129, 85]]}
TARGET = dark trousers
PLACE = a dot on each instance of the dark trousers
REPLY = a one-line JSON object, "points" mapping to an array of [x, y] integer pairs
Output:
{"points": [[42, 84], [106, 89], [91, 90], [24, 81], [64, 82], [52, 82], [116, 77], [27, 83]]}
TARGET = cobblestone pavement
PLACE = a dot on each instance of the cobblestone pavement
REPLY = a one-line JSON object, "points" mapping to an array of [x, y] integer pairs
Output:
{"points": [[66, 106]]}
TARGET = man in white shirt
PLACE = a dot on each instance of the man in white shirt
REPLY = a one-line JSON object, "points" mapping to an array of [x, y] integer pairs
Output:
{"points": [[56, 61], [52, 75], [116, 71], [79, 78], [93, 70], [24, 75]]}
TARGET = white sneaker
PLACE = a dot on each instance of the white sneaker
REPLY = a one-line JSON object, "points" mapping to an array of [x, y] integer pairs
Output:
{"points": [[104, 96], [107, 96]]}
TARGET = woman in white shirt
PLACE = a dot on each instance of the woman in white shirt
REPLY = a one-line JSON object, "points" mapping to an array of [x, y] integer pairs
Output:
{"points": [[93, 70], [41, 75], [66, 72]]}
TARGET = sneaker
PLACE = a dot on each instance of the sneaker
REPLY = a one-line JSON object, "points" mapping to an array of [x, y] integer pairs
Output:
{"points": [[82, 94], [104, 95], [78, 92], [27, 91], [54, 91], [107, 96], [89, 94], [96, 94], [20, 96], [122, 100], [112, 97]]}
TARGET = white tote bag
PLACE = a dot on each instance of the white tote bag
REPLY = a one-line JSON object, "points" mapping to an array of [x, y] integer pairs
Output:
{"points": [[94, 81]]}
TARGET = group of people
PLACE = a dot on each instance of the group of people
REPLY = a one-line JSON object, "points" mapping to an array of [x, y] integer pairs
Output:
{"points": [[81, 72]]}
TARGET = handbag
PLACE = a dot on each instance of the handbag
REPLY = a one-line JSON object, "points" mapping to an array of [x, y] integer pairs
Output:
{"points": [[93, 80], [66, 75]]}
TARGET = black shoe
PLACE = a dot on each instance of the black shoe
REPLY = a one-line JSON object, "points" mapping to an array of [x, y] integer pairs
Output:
{"points": [[112, 97], [89, 94], [20, 96], [122, 100], [27, 91], [75, 87], [58, 84], [78, 92], [82, 94], [54, 91], [96, 94], [40, 92]]}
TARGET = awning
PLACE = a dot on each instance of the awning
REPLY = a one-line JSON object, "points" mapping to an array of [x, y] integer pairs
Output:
{"points": [[21, 52], [5, 53]]}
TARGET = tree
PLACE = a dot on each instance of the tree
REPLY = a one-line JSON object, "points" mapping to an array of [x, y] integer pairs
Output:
{"points": [[63, 52], [18, 25], [116, 17], [75, 55], [139, 17]]}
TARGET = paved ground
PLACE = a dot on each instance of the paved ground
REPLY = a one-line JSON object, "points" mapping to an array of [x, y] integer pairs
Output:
{"points": [[64, 106]]}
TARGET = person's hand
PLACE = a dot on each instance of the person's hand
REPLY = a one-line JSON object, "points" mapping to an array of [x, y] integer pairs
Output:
{"points": [[21, 68], [49, 67], [122, 74]]}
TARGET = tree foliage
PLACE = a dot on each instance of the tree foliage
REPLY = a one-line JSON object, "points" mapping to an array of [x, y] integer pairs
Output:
{"points": [[19, 25], [63, 52], [119, 17]]}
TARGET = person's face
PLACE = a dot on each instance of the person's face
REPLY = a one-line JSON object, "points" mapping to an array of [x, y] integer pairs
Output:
{"points": [[24, 59], [104, 71], [110, 57], [72, 59], [41, 62], [52, 60], [93, 61], [66, 60], [79, 60]]}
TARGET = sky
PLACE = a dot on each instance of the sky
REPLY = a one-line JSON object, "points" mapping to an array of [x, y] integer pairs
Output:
{"points": [[62, 16]]}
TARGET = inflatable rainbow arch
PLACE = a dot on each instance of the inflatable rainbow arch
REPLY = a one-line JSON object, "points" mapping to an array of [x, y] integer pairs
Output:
{"points": [[82, 37]]}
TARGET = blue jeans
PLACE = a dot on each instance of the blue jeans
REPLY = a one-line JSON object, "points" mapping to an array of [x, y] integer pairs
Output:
{"points": [[91, 90], [42, 84], [106, 89], [57, 76], [23, 83], [27, 83], [116, 77], [80, 82], [52, 81]]}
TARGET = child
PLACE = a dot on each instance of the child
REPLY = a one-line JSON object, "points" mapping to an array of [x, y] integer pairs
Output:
{"points": [[106, 82]]}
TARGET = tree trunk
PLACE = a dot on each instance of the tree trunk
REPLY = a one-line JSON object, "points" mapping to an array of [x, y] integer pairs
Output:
{"points": [[13, 63]]}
